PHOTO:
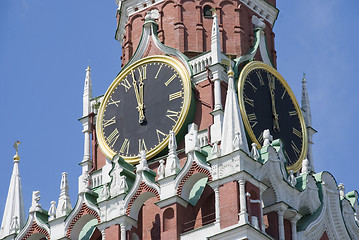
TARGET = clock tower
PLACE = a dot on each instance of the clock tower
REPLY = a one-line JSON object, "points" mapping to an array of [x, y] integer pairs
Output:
{"points": [[197, 137]]}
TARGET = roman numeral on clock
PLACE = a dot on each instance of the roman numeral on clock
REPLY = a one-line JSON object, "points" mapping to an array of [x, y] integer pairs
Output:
{"points": [[252, 118], [142, 71], [111, 101], [297, 132], [260, 78], [112, 138], [125, 146], [172, 114], [295, 149], [159, 69], [141, 145], [170, 80], [293, 113], [159, 134], [109, 122], [248, 100], [175, 95], [126, 84]]}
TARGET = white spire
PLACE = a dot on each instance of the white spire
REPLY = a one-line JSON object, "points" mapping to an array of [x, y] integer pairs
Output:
{"points": [[14, 207], [86, 124], [64, 205], [307, 114], [215, 40], [87, 93], [232, 121], [305, 103]]}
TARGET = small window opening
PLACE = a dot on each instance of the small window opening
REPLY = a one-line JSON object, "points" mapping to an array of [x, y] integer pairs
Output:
{"points": [[207, 13]]}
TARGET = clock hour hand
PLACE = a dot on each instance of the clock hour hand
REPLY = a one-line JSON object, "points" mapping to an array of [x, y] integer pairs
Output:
{"points": [[140, 106], [271, 85]]}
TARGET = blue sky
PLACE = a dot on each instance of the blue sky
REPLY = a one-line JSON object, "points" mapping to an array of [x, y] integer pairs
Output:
{"points": [[45, 47]]}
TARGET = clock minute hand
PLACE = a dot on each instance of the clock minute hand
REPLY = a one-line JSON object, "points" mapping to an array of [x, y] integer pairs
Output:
{"points": [[275, 115], [141, 116]]}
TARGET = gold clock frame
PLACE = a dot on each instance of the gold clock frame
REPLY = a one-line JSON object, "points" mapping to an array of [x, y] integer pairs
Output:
{"points": [[183, 74], [242, 77]]}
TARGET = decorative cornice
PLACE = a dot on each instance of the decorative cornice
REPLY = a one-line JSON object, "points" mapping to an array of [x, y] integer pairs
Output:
{"points": [[263, 9]]}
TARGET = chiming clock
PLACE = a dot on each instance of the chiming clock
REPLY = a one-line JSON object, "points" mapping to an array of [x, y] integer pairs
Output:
{"points": [[267, 102], [144, 103]]}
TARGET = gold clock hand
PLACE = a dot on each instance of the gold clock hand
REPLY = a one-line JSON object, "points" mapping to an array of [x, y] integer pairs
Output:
{"points": [[141, 116], [271, 85]]}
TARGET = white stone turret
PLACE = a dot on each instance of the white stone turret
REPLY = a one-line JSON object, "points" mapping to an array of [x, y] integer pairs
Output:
{"points": [[215, 40], [14, 214], [64, 203], [172, 164], [216, 55], [307, 114], [233, 128], [87, 128]]}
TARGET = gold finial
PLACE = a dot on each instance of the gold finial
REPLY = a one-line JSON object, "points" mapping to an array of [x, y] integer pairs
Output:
{"points": [[303, 79], [88, 68], [228, 62], [16, 146], [213, 10]]}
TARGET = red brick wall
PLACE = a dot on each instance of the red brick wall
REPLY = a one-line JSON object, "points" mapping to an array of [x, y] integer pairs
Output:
{"points": [[183, 26], [229, 204], [287, 230], [254, 208], [271, 223], [113, 232]]}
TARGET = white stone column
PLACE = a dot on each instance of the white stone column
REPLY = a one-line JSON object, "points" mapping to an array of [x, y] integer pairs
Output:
{"points": [[103, 234], [293, 223], [216, 203], [217, 95], [281, 224], [123, 231], [263, 227], [243, 215]]}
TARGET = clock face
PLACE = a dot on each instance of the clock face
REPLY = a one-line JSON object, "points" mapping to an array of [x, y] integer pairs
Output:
{"points": [[267, 102], [145, 102]]}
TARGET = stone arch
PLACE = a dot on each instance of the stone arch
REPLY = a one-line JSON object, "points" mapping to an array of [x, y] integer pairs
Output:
{"points": [[144, 192], [189, 183], [36, 233], [79, 221], [269, 196]]}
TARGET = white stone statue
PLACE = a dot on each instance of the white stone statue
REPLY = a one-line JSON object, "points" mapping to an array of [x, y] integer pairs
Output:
{"points": [[237, 141], [267, 137], [191, 140], [254, 152], [143, 162], [104, 194], [292, 179], [172, 164], [161, 169], [52, 211], [152, 15], [123, 185], [215, 150], [305, 166], [35, 205]]}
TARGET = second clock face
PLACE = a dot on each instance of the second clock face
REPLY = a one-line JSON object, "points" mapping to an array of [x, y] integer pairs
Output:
{"points": [[145, 102], [267, 102]]}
